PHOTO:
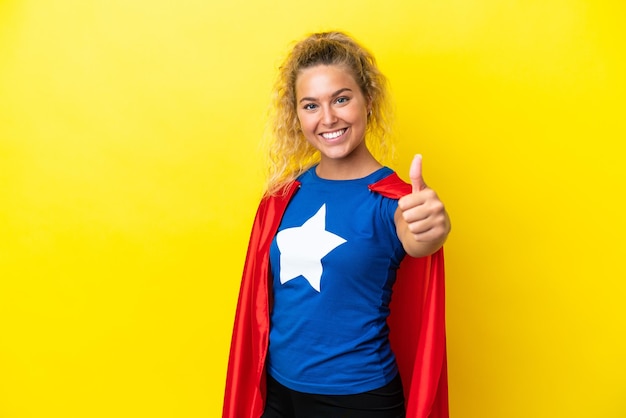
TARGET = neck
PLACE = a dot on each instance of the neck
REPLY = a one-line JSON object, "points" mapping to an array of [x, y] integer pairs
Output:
{"points": [[348, 168]]}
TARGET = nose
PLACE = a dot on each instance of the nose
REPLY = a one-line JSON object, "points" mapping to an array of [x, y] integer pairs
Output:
{"points": [[328, 116]]}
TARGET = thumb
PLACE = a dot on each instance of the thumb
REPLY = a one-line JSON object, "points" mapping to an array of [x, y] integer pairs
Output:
{"points": [[415, 173]]}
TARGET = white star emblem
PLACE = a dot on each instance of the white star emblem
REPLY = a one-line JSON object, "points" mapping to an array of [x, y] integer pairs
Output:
{"points": [[302, 249]]}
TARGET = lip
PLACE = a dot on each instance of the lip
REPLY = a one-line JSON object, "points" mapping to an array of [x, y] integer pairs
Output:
{"points": [[336, 138]]}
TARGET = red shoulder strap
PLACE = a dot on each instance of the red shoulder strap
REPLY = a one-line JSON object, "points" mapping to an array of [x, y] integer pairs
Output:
{"points": [[417, 323], [244, 395]]}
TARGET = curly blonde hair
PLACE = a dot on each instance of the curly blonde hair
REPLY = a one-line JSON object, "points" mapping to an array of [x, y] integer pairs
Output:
{"points": [[289, 153]]}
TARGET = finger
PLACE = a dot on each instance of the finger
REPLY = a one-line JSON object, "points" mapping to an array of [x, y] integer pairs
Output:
{"points": [[415, 173]]}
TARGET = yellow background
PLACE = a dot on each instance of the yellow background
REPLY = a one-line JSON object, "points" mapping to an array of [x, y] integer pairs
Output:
{"points": [[130, 173]]}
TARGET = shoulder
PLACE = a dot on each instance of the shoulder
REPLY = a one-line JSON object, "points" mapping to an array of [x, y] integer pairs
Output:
{"points": [[283, 193], [391, 186]]}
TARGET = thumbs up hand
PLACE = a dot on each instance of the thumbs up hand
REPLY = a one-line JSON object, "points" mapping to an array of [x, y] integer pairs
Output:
{"points": [[421, 220]]}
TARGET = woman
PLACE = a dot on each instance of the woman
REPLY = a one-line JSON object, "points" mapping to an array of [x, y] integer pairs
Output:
{"points": [[311, 335]]}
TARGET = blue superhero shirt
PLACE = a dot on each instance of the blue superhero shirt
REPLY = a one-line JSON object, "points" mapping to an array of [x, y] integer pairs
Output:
{"points": [[334, 262]]}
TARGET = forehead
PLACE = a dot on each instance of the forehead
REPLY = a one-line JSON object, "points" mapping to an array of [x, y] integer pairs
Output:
{"points": [[324, 79]]}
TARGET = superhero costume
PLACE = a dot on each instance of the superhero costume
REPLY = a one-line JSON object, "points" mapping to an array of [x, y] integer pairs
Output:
{"points": [[417, 319]]}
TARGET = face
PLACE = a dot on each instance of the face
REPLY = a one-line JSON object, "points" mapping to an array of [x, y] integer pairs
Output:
{"points": [[332, 111]]}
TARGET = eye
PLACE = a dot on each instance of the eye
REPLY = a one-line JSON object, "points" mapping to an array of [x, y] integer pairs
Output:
{"points": [[342, 100], [309, 106]]}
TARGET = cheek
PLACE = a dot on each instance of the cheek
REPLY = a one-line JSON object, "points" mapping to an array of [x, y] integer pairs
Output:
{"points": [[306, 123]]}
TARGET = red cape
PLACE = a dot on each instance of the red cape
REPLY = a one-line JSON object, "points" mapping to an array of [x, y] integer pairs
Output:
{"points": [[416, 322]]}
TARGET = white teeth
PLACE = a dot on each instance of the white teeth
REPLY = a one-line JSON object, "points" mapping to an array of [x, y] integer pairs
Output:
{"points": [[333, 135]]}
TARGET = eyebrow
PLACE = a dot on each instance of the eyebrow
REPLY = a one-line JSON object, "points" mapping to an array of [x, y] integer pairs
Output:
{"points": [[335, 94]]}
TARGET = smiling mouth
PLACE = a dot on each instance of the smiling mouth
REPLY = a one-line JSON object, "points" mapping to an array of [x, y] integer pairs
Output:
{"points": [[333, 135]]}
